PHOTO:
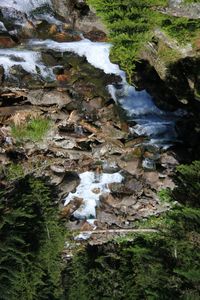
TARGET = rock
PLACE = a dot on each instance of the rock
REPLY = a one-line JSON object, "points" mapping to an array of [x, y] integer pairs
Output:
{"points": [[49, 97], [78, 14], [96, 36], [107, 148], [108, 218], [69, 183], [163, 76], [65, 143], [28, 30], [168, 160], [6, 42], [1, 74], [108, 131], [23, 79], [70, 208], [57, 169], [110, 166], [132, 166], [148, 164]]}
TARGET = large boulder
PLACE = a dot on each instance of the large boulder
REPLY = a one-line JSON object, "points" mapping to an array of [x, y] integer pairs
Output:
{"points": [[79, 14]]}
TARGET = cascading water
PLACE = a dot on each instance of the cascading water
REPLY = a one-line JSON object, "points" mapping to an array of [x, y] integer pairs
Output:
{"points": [[150, 121], [139, 107], [30, 61], [24, 5]]}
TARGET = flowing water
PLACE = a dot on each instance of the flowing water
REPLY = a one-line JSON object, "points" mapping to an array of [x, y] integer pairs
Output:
{"points": [[24, 5], [139, 107]]}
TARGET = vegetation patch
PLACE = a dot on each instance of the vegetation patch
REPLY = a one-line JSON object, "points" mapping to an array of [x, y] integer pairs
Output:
{"points": [[163, 265], [34, 130], [131, 25], [32, 239]]}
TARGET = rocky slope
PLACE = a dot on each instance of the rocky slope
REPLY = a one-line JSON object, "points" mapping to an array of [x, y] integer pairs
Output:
{"points": [[91, 136]]}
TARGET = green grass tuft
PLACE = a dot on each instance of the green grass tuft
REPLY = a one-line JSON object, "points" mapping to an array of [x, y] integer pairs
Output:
{"points": [[33, 130]]}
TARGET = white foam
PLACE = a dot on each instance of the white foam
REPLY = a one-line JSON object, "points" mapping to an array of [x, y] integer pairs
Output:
{"points": [[2, 27], [29, 60], [96, 53], [91, 182], [151, 121], [24, 5]]}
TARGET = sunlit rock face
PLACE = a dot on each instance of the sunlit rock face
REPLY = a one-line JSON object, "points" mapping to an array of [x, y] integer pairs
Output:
{"points": [[78, 13]]}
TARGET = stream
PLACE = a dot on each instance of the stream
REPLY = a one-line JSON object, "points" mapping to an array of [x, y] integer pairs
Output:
{"points": [[144, 117]]}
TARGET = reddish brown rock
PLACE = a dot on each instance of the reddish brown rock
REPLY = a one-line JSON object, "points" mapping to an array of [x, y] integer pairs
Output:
{"points": [[96, 36], [6, 42]]}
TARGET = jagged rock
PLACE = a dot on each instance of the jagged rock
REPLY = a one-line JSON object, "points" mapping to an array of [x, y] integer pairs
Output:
{"points": [[69, 183], [148, 164], [168, 160], [48, 97], [57, 169], [69, 209], [65, 143], [79, 15], [130, 187]]}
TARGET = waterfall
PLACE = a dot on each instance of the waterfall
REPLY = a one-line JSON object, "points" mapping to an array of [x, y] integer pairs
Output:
{"points": [[139, 106]]}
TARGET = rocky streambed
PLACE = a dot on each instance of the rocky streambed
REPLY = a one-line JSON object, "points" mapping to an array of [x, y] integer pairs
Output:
{"points": [[108, 148]]}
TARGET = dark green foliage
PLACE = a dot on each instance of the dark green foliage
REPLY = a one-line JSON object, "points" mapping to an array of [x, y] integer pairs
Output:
{"points": [[188, 181], [131, 25], [34, 130], [164, 265], [31, 242]]}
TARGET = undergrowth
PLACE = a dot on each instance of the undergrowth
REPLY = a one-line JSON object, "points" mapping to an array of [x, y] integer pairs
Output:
{"points": [[131, 25], [34, 130]]}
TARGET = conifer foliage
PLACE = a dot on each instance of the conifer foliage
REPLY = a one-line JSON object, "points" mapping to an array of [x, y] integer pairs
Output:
{"points": [[163, 265], [31, 241]]}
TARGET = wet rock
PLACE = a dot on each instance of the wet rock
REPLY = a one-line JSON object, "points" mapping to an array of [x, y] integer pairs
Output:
{"points": [[67, 36], [148, 164], [12, 18], [6, 41], [28, 30], [70, 208], [69, 183], [96, 36], [110, 166], [23, 79]]}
